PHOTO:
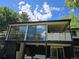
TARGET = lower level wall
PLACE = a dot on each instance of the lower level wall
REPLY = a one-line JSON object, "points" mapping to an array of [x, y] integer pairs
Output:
{"points": [[69, 53]]}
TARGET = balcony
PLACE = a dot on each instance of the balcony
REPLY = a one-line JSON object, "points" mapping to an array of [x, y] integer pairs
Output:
{"points": [[39, 31], [35, 34], [24, 33], [65, 36]]}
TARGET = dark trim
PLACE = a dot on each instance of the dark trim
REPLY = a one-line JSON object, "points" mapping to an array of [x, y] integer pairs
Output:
{"points": [[62, 20], [76, 42], [73, 29], [60, 42], [67, 26], [51, 42], [75, 38]]}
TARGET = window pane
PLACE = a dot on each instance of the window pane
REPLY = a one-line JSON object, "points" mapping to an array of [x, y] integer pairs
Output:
{"points": [[29, 33], [41, 32], [36, 33], [17, 33]]}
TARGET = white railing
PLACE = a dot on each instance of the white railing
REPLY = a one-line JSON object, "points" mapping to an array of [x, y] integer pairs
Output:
{"points": [[59, 36]]}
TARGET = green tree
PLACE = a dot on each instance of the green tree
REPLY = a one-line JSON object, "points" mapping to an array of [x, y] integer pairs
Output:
{"points": [[74, 20], [7, 16], [10, 16], [72, 3], [24, 17]]}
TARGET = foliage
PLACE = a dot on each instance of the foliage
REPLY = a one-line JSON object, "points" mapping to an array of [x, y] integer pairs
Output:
{"points": [[74, 20], [24, 17], [38, 36], [72, 3], [7, 16]]}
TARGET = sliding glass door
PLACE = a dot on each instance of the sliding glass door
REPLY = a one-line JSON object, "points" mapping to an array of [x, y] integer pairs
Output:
{"points": [[54, 53], [57, 53]]}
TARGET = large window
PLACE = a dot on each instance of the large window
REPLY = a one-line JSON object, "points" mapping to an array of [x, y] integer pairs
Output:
{"points": [[28, 33], [17, 33], [36, 33]]}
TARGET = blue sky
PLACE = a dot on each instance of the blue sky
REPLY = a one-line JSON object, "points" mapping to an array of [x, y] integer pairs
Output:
{"points": [[56, 8]]}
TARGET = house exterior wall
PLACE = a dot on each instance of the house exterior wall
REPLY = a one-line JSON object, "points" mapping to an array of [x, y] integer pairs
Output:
{"points": [[76, 44], [77, 32]]}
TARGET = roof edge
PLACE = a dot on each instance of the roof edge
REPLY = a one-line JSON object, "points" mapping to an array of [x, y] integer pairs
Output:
{"points": [[61, 20]]}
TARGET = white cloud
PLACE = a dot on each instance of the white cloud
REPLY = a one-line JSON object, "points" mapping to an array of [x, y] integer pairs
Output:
{"points": [[75, 0], [56, 8], [38, 14], [46, 7], [27, 9], [41, 11], [20, 12], [44, 14], [22, 2], [72, 10]]}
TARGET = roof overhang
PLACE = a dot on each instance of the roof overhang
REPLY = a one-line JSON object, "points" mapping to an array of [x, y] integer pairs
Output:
{"points": [[55, 25]]}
